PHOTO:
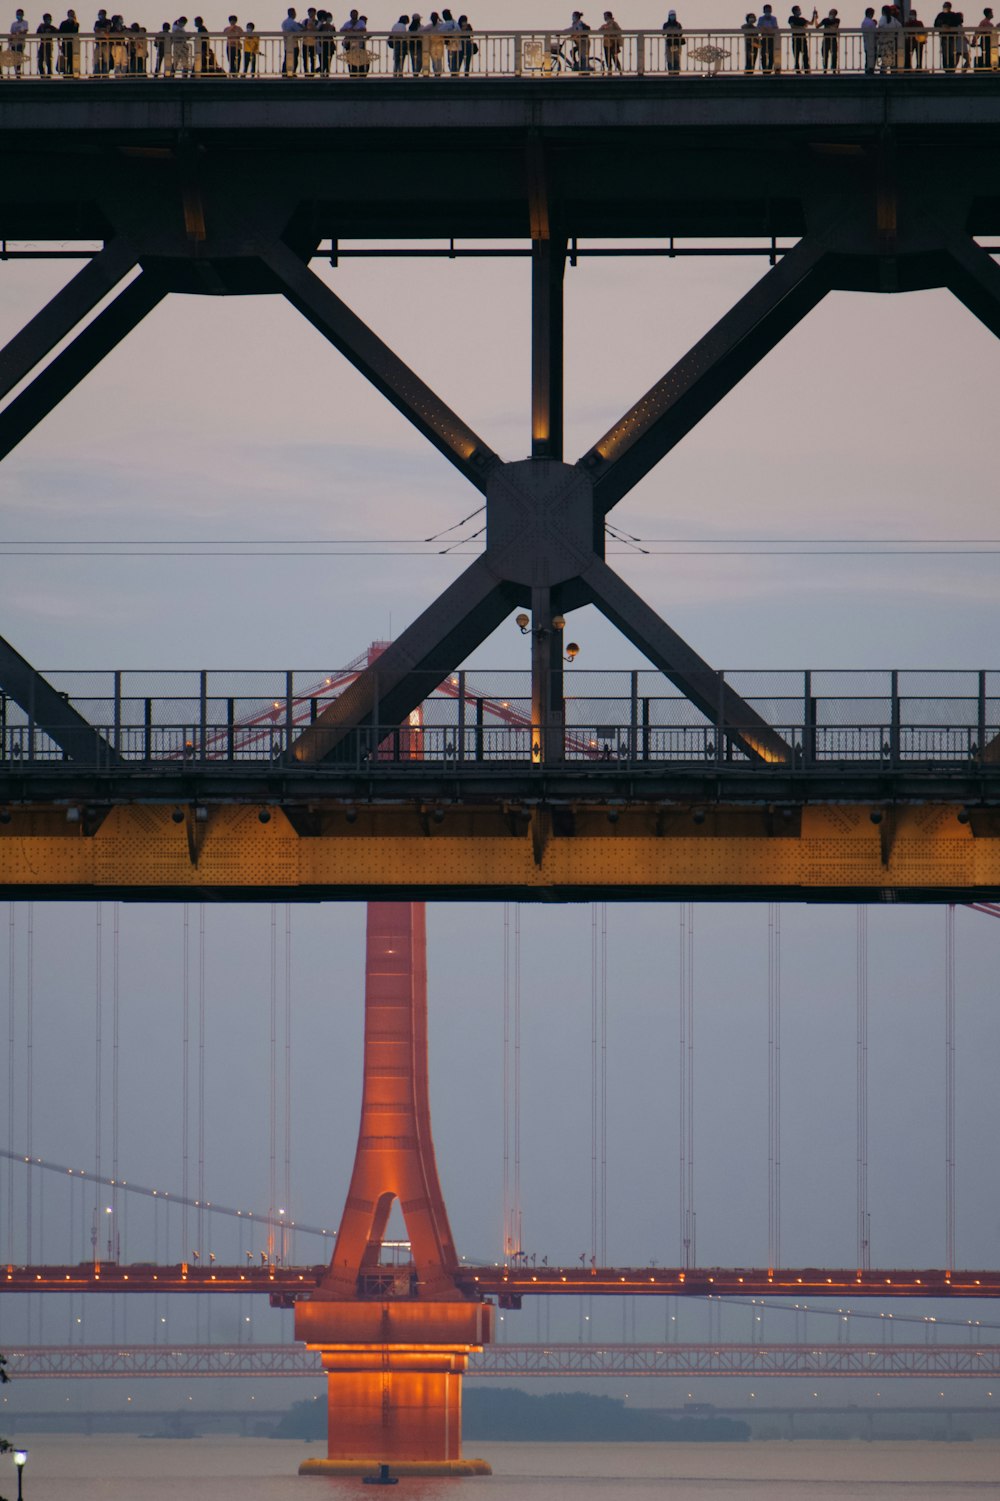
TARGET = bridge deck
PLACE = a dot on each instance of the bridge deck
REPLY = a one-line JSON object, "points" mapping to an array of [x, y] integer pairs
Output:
{"points": [[285, 1284]]}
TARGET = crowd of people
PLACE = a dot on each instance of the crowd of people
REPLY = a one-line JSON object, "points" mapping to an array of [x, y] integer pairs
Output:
{"points": [[312, 42]]}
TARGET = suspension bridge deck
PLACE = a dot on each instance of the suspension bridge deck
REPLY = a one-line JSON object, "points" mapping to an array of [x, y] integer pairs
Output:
{"points": [[285, 1284]]}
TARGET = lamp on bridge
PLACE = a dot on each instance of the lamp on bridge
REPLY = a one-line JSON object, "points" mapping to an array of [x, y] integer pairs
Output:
{"points": [[20, 1460]]}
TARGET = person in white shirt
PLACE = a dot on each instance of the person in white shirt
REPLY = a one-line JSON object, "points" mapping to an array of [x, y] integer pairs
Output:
{"points": [[890, 38], [291, 26], [18, 32], [398, 45], [770, 42], [869, 38]]}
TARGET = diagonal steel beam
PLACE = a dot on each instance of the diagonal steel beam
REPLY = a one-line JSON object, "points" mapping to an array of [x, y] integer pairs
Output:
{"points": [[60, 315], [376, 361], [49, 711], [414, 665], [77, 360], [974, 277], [708, 372], [705, 687]]}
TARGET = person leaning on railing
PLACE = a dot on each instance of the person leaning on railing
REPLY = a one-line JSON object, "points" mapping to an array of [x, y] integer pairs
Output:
{"points": [[751, 42], [947, 24], [986, 42], [770, 41], [914, 42], [673, 38], [612, 35], [830, 27]]}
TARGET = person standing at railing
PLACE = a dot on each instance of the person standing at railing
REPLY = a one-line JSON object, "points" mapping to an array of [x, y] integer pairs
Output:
{"points": [[233, 37], [450, 28], [416, 45], [45, 31], [102, 45], [251, 50], [579, 31], [180, 50], [467, 47], [435, 31], [770, 41], [161, 42], [869, 39], [914, 41], [673, 40], [69, 47], [751, 42], [291, 30], [799, 27], [986, 43], [310, 22], [325, 41], [18, 32], [830, 27], [138, 49], [612, 34], [397, 34], [890, 33], [947, 25]]}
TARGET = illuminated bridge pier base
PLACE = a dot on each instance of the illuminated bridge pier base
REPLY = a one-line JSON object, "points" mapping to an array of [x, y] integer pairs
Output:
{"points": [[394, 1340]]}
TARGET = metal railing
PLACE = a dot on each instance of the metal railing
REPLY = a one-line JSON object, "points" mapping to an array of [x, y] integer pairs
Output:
{"points": [[316, 55], [477, 717]]}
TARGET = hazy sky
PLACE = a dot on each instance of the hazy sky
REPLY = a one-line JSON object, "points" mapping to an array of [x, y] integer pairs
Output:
{"points": [[227, 420]]}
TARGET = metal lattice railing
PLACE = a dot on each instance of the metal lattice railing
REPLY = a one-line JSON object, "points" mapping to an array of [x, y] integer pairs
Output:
{"points": [[135, 53], [254, 718]]}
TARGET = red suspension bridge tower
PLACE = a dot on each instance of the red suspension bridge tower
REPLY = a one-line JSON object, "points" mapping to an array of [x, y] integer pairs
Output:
{"points": [[395, 1341]]}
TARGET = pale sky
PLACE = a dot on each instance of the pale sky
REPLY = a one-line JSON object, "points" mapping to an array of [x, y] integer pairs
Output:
{"points": [[222, 420]]}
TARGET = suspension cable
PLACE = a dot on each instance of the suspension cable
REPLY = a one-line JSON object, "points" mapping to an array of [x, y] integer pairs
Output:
{"points": [[774, 1085], [98, 1072], [201, 1081], [949, 1046], [11, 1074], [686, 1093], [517, 1227], [287, 1186], [506, 1080], [864, 1218], [185, 1077], [272, 1114]]}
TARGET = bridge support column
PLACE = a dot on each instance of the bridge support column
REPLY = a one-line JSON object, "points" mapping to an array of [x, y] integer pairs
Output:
{"points": [[395, 1339], [394, 1383]]}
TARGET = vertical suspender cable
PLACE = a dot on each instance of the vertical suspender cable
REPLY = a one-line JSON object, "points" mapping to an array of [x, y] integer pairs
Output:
{"points": [[604, 1084], [185, 1081], [949, 1047], [506, 1080], [201, 1081], [95, 1229], [11, 1074], [272, 1193], [682, 1088], [29, 1072], [686, 1049], [286, 1195], [864, 1219], [594, 1016], [774, 1084], [115, 1118], [516, 1205]]}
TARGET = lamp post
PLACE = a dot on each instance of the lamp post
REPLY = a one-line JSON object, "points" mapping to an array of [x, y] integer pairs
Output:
{"points": [[20, 1460]]}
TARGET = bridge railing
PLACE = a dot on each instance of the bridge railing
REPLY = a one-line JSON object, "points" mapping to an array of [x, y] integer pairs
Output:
{"points": [[155, 55], [482, 717]]}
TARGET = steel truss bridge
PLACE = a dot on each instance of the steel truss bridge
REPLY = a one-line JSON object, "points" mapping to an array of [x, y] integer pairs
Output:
{"points": [[882, 185], [53, 1362]]}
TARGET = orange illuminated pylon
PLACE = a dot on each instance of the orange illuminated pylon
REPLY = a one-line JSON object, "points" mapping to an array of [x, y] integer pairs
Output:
{"points": [[395, 1152], [395, 1341]]}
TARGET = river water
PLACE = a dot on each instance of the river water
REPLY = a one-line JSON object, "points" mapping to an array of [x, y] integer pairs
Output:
{"points": [[112, 1468]]}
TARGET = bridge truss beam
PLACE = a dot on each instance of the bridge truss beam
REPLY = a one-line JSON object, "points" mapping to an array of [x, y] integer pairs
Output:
{"points": [[132, 1362]]}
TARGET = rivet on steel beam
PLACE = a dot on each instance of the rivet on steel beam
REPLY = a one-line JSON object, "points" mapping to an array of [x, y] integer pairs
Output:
{"points": [[876, 815], [264, 816], [178, 815]]}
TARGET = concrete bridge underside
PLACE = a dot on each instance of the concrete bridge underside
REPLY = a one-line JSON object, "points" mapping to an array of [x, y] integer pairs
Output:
{"points": [[196, 187]]}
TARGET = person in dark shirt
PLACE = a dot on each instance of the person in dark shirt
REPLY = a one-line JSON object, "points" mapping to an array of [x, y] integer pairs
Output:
{"points": [[751, 42], [69, 54], [46, 31], [986, 37], [799, 27], [946, 24], [673, 34], [830, 27], [914, 41]]}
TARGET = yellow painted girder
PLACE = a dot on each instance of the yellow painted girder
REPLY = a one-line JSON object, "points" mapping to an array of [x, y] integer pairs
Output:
{"points": [[403, 847]]}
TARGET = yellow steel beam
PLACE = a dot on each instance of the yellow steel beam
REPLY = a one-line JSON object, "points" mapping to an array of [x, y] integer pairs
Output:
{"points": [[409, 849]]}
